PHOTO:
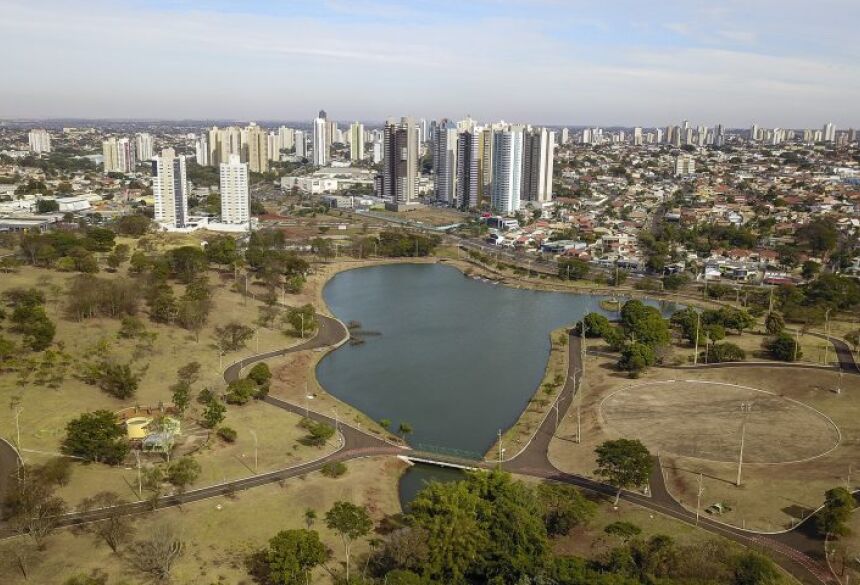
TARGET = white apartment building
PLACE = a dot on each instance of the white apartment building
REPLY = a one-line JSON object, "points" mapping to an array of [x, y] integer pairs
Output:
{"points": [[39, 140], [170, 189], [321, 144], [118, 155], [235, 204], [143, 146], [507, 169], [301, 144], [685, 165]]}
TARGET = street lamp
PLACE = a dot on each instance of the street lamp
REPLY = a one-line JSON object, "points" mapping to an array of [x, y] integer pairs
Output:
{"points": [[254, 434]]}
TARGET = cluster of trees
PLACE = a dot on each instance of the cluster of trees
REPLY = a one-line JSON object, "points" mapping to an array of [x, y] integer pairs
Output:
{"points": [[29, 319], [254, 385], [90, 296], [708, 327], [398, 244], [67, 251], [640, 336]]}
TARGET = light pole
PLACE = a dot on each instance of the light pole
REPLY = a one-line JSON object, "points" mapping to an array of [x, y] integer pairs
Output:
{"points": [[254, 434], [501, 450], [746, 408], [699, 492], [696, 347], [139, 479]]}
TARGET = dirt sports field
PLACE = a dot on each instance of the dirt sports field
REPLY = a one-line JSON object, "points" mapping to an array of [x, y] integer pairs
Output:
{"points": [[704, 419]]}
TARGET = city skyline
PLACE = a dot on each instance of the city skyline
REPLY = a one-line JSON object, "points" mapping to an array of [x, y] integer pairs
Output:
{"points": [[572, 64]]}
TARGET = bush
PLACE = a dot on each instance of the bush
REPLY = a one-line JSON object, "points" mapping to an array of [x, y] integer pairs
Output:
{"points": [[334, 469], [636, 358], [240, 391], [784, 348], [725, 352], [318, 432], [262, 377], [227, 434]]}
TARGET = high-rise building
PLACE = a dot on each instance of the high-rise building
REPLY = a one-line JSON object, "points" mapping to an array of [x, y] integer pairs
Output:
{"points": [[356, 141], [565, 135], [170, 189], [143, 146], [685, 165], [400, 162], [538, 151], [257, 149], [754, 133], [118, 155], [468, 165], [39, 140], [229, 141], [273, 146], [301, 144], [719, 135], [445, 162], [637, 136], [235, 206], [288, 138], [485, 172], [377, 151], [202, 152], [507, 169], [829, 132], [332, 134], [321, 144]]}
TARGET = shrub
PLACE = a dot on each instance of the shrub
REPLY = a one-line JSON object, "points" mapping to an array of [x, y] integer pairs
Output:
{"points": [[240, 391], [784, 348], [334, 469], [318, 432], [227, 434], [725, 352]]}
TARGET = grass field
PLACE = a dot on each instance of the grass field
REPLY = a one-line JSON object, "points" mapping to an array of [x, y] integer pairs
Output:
{"points": [[220, 533], [46, 411], [770, 497]]}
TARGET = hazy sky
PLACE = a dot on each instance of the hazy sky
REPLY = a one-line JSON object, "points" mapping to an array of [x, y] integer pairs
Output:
{"points": [[789, 63]]}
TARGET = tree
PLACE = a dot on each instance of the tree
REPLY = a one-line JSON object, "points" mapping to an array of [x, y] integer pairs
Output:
{"points": [[572, 269], [774, 323], [132, 225], [810, 269], [752, 568], [114, 528], [564, 507], [118, 380], [240, 391], [624, 463], [820, 236], [624, 530], [183, 472], [47, 206], [310, 517], [636, 358], [156, 554], [33, 323], [96, 436], [318, 432], [33, 508], [222, 250], [833, 517], [293, 554], [350, 522], [213, 413], [302, 319], [233, 336], [187, 262], [404, 429], [784, 347], [595, 325]]}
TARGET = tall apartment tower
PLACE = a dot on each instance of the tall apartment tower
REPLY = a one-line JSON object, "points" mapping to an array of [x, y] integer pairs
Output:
{"points": [[257, 148], [202, 152], [445, 162], [356, 141], [685, 165], [829, 132], [507, 170], [288, 138], [301, 143], [170, 188], [118, 155], [538, 151], [39, 140], [235, 205], [273, 146], [637, 136], [468, 167], [143, 146], [400, 162], [321, 144]]}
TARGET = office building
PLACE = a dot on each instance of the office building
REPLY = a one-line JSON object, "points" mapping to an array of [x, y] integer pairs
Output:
{"points": [[235, 205], [39, 140], [143, 146], [400, 162], [321, 144], [170, 189], [468, 166], [445, 162], [507, 169], [538, 151], [356, 142]]}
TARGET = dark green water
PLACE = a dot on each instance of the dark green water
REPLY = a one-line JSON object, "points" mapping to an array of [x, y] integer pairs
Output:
{"points": [[457, 358]]}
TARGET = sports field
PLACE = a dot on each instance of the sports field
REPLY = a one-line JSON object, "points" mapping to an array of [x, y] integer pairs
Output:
{"points": [[705, 420]]}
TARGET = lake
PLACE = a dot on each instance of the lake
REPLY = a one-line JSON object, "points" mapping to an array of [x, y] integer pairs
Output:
{"points": [[456, 358]]}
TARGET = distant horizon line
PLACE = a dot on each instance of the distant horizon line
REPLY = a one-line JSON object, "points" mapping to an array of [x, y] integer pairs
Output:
{"points": [[283, 121]]}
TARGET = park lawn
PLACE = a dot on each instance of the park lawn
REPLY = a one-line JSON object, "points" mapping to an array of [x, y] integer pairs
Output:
{"points": [[772, 496], [219, 533], [516, 437]]}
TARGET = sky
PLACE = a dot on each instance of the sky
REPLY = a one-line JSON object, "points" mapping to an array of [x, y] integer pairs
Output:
{"points": [[786, 63]]}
